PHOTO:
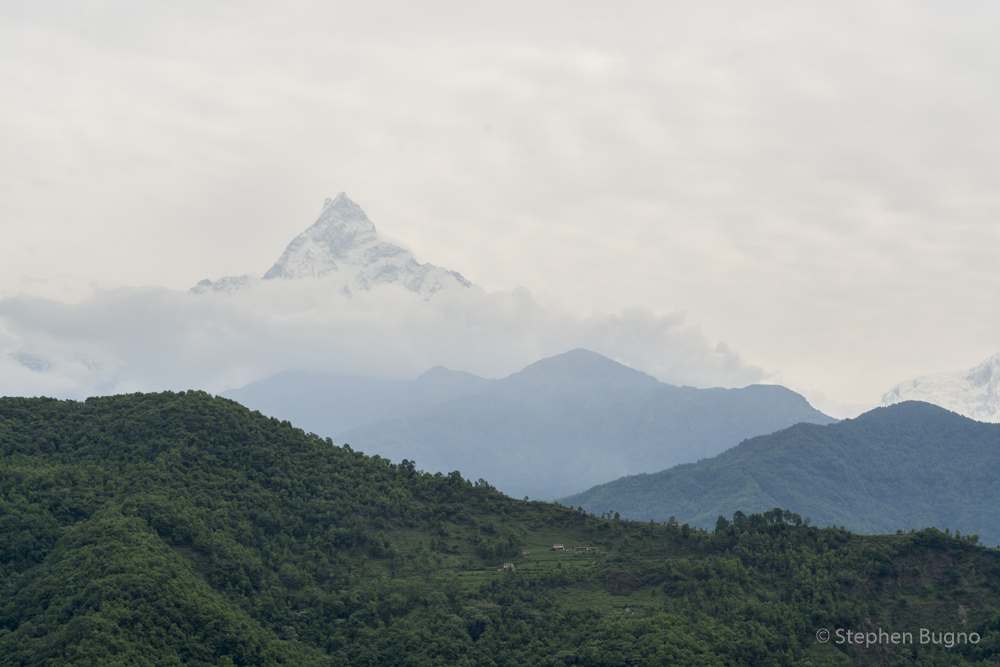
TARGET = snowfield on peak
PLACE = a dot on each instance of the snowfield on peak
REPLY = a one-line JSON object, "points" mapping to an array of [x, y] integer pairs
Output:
{"points": [[974, 393], [344, 244]]}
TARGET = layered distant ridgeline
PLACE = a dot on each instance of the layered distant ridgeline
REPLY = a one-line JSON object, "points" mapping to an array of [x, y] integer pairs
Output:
{"points": [[906, 466], [335, 404], [179, 529], [560, 425]]}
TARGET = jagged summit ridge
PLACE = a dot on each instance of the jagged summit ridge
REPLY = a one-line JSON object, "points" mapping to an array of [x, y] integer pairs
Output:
{"points": [[344, 243], [974, 393]]}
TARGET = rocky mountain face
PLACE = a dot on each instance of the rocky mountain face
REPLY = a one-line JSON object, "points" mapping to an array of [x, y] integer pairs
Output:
{"points": [[344, 244]]}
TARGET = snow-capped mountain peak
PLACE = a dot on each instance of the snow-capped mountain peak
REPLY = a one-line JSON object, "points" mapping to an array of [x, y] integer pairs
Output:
{"points": [[344, 243], [342, 227], [986, 373], [974, 393]]}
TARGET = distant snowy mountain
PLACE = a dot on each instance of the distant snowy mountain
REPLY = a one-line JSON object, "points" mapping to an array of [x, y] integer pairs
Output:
{"points": [[343, 243], [974, 393]]}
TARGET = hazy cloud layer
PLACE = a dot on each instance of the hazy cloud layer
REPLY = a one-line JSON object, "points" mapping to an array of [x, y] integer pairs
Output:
{"points": [[147, 339], [813, 182]]}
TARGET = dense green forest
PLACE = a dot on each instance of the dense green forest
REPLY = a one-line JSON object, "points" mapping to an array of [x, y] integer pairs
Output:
{"points": [[908, 466], [175, 529]]}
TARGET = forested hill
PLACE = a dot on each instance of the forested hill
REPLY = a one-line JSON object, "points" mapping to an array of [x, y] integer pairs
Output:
{"points": [[911, 465], [181, 529]]}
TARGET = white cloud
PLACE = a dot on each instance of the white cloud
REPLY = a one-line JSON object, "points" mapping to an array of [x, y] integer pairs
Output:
{"points": [[148, 339]]}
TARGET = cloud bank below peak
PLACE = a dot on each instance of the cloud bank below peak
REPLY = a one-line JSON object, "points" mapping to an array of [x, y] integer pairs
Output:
{"points": [[151, 338], [342, 299]]}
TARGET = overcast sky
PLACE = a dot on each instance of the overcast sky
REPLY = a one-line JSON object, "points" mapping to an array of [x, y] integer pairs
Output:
{"points": [[813, 184]]}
